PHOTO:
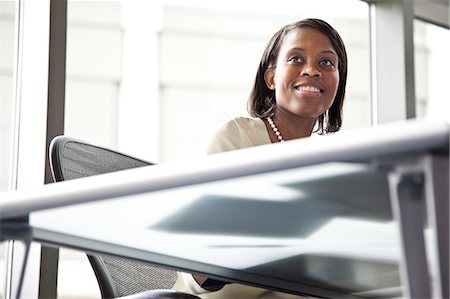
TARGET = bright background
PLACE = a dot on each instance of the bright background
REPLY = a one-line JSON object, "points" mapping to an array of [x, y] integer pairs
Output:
{"points": [[153, 78]]}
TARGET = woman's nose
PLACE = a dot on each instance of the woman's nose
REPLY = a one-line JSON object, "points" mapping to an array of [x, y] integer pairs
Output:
{"points": [[310, 70]]}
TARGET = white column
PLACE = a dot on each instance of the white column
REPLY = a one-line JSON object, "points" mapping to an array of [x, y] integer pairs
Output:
{"points": [[31, 93], [139, 91], [392, 61]]}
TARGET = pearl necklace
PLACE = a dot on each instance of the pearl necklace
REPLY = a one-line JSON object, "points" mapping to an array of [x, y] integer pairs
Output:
{"points": [[275, 129]]}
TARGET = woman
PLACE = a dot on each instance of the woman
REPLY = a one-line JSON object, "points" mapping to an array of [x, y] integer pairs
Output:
{"points": [[299, 89]]}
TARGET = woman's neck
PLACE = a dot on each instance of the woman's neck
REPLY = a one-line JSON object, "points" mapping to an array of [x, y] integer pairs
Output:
{"points": [[292, 126]]}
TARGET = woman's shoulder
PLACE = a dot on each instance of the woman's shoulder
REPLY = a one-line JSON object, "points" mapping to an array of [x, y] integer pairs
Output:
{"points": [[243, 122], [239, 132]]}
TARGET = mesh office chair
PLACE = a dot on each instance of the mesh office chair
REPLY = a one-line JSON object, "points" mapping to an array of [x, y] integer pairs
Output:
{"points": [[117, 277]]}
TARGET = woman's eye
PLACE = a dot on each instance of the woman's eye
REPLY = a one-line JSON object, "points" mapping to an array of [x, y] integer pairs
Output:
{"points": [[295, 59], [327, 62]]}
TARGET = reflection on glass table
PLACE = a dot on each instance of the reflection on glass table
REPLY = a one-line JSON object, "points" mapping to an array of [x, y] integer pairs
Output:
{"points": [[326, 227]]}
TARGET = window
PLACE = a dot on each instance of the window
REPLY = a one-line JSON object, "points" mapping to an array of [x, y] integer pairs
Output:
{"points": [[153, 78], [432, 45], [7, 23]]}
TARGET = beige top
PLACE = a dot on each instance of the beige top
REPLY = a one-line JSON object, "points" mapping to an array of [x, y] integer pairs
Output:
{"points": [[238, 133], [187, 284]]}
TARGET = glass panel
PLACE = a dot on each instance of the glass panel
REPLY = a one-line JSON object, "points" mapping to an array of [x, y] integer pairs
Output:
{"points": [[94, 70], [7, 45], [432, 45], [153, 77]]}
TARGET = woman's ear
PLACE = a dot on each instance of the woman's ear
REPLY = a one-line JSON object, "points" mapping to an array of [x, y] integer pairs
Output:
{"points": [[269, 77]]}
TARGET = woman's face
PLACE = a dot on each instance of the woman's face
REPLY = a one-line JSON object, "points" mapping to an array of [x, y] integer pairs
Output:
{"points": [[306, 76]]}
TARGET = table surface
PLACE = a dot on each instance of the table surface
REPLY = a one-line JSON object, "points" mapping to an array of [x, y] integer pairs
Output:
{"points": [[302, 217]]}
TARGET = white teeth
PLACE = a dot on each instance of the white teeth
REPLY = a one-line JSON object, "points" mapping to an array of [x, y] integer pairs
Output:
{"points": [[308, 88]]}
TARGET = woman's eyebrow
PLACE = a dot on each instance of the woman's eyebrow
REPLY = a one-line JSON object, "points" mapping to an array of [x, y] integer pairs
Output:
{"points": [[328, 51]]}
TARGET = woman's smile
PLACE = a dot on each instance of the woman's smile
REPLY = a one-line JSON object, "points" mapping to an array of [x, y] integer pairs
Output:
{"points": [[309, 90]]}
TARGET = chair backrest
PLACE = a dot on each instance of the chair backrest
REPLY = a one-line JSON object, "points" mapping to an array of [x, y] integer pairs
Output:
{"points": [[72, 159]]}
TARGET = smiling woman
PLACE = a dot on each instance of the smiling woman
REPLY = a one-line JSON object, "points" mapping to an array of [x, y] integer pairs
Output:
{"points": [[305, 86], [312, 61], [299, 88], [300, 85]]}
